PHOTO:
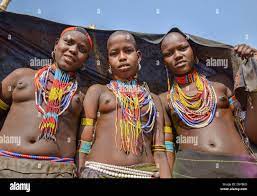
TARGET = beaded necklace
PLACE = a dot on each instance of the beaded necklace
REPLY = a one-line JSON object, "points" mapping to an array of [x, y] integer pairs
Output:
{"points": [[185, 79], [132, 98], [195, 111], [57, 99]]}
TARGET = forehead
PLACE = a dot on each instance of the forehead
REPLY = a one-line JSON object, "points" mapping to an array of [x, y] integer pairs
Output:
{"points": [[75, 35], [173, 40], [119, 41]]}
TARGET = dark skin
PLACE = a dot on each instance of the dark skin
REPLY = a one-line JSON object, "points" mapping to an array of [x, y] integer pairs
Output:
{"points": [[123, 58], [245, 52], [220, 136], [23, 118]]}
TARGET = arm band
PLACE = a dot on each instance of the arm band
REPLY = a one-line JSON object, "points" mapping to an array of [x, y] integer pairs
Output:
{"points": [[87, 122], [85, 147], [3, 105], [169, 146], [160, 148], [232, 100], [167, 129]]}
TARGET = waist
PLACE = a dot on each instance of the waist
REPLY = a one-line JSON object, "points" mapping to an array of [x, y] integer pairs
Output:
{"points": [[133, 171], [35, 157]]}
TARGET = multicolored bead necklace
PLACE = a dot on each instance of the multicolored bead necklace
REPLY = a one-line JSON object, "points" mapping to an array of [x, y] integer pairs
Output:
{"points": [[132, 98], [195, 111], [56, 100]]}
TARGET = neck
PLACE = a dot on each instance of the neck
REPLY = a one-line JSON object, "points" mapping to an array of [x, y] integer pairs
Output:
{"points": [[124, 79], [187, 78], [55, 66]]}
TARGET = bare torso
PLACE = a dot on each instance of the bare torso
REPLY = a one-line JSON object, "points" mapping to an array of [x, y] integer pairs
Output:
{"points": [[220, 136], [104, 148], [23, 121]]}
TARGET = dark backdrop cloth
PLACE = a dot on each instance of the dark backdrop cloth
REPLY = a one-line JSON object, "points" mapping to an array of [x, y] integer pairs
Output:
{"points": [[24, 37]]}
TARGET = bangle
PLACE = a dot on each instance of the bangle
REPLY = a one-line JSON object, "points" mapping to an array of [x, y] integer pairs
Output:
{"points": [[87, 121], [169, 146], [85, 147], [167, 129], [3, 105]]}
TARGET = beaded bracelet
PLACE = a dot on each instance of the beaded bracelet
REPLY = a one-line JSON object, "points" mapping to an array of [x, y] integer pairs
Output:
{"points": [[169, 146], [85, 147], [167, 129], [87, 122], [3, 105], [232, 99], [161, 148]]}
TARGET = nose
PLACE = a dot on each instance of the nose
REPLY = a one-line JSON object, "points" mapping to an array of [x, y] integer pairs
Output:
{"points": [[177, 55], [122, 57], [73, 49]]}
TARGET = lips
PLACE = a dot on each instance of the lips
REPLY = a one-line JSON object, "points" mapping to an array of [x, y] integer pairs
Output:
{"points": [[123, 66], [181, 63], [69, 58]]}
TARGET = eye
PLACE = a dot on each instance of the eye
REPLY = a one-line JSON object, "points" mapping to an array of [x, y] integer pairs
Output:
{"points": [[129, 50], [167, 54], [83, 49], [68, 41], [183, 48], [113, 53]]}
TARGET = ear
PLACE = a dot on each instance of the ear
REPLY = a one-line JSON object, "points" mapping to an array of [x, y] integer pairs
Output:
{"points": [[139, 55], [194, 51], [56, 42]]}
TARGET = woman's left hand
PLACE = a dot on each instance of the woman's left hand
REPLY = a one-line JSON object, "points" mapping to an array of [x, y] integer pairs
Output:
{"points": [[245, 51]]}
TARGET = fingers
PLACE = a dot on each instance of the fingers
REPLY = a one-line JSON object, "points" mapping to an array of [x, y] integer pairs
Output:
{"points": [[244, 51]]}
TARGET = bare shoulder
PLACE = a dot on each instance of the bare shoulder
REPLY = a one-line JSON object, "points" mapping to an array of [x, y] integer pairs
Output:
{"points": [[222, 80], [96, 89], [154, 96], [15, 75], [22, 72], [163, 96]]}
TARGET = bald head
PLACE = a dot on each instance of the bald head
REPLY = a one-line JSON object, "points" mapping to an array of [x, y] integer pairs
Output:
{"points": [[128, 37]]}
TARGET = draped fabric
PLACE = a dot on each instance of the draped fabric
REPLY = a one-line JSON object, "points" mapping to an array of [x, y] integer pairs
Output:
{"points": [[27, 41]]}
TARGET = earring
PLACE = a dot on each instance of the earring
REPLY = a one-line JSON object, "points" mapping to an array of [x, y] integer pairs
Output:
{"points": [[168, 78], [139, 66], [53, 55], [196, 60], [110, 70]]}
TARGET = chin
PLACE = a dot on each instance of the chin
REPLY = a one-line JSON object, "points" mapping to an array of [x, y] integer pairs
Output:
{"points": [[183, 71], [66, 67]]}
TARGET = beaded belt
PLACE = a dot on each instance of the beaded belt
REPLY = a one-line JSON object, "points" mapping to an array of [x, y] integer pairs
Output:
{"points": [[35, 157], [118, 171]]}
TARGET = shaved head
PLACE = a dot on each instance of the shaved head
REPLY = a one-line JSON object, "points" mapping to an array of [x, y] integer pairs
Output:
{"points": [[128, 36]]}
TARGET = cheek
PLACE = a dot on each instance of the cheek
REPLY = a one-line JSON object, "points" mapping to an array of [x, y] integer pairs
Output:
{"points": [[168, 61], [58, 52], [83, 57], [112, 61], [190, 55], [133, 59]]}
